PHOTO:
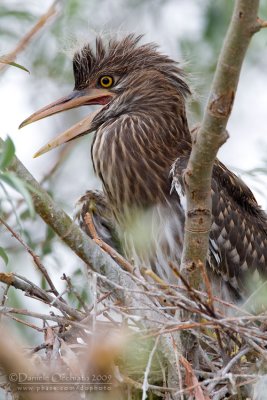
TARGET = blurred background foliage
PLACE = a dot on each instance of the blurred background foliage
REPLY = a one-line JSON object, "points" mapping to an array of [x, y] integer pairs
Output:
{"points": [[189, 30]]}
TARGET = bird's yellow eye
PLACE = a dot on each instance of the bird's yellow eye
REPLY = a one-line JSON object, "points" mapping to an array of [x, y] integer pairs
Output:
{"points": [[106, 81]]}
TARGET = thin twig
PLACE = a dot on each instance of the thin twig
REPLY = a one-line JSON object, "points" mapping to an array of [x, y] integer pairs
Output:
{"points": [[262, 23], [227, 368], [72, 289], [23, 43], [22, 283], [177, 362], [148, 367], [108, 249], [23, 322], [35, 258], [56, 318]]}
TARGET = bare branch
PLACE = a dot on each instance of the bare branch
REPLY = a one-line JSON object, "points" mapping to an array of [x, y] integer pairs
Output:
{"points": [[34, 256], [56, 318], [261, 23], [28, 287], [148, 367], [108, 249], [10, 57]]}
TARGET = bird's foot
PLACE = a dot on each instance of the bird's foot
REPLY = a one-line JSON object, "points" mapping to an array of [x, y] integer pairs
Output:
{"points": [[94, 204]]}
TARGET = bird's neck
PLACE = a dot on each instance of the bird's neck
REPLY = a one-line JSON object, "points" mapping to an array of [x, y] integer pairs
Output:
{"points": [[133, 155]]}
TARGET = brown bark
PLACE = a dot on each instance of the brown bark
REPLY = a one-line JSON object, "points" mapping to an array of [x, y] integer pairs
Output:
{"points": [[212, 134]]}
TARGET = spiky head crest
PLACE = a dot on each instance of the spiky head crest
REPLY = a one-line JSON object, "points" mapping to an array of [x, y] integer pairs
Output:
{"points": [[121, 57]]}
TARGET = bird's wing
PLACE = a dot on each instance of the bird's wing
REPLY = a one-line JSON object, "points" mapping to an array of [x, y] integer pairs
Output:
{"points": [[238, 237], [239, 228]]}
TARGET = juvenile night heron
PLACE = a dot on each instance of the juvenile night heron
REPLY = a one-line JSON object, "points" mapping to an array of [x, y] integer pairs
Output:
{"points": [[141, 135]]}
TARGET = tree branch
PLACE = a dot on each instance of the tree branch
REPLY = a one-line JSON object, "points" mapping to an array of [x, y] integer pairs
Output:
{"points": [[52, 11], [212, 134], [261, 23], [36, 259], [34, 291]]}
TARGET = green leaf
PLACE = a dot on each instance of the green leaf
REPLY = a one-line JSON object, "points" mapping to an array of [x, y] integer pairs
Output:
{"points": [[3, 255], [16, 183], [13, 64], [7, 153], [6, 11]]}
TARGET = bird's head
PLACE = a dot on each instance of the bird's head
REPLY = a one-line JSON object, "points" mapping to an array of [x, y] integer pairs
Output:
{"points": [[121, 77]]}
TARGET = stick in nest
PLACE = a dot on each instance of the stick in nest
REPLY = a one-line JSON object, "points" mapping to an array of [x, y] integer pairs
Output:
{"points": [[104, 246]]}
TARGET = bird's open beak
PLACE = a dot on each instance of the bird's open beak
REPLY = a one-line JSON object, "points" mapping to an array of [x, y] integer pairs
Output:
{"points": [[76, 99]]}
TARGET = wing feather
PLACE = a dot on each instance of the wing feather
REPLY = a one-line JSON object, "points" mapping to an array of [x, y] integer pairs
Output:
{"points": [[238, 237]]}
